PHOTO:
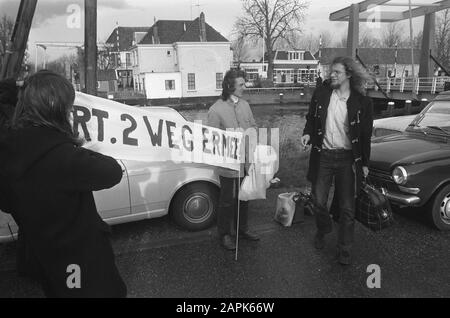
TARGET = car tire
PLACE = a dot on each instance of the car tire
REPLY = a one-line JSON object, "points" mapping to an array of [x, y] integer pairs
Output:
{"points": [[194, 207], [439, 209]]}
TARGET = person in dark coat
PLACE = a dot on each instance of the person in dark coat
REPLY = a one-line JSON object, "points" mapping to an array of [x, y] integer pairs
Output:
{"points": [[49, 179], [339, 128], [8, 101]]}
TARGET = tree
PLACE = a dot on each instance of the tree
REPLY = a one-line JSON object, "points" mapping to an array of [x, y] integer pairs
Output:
{"points": [[6, 29], [393, 35], [367, 40], [271, 20], [240, 48], [106, 56], [443, 38]]}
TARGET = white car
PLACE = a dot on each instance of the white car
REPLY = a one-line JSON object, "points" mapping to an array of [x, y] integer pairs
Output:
{"points": [[391, 125], [188, 192]]}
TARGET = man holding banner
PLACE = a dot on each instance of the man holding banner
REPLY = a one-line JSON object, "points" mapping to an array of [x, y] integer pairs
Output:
{"points": [[232, 112]]}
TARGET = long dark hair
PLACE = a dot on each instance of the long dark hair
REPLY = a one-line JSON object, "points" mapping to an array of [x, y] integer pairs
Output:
{"points": [[358, 75], [229, 82], [46, 99]]}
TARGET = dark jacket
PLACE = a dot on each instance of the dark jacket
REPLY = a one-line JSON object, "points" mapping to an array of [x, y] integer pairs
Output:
{"points": [[48, 182], [360, 117]]}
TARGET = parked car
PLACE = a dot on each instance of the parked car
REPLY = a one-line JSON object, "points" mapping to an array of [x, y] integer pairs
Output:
{"points": [[187, 192], [413, 167], [391, 125]]}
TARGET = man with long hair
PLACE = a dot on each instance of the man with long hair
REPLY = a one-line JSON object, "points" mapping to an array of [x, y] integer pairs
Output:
{"points": [[339, 128], [232, 111]]}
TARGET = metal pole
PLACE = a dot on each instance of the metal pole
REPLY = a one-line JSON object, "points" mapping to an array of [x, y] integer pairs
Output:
{"points": [[411, 39], [90, 40]]}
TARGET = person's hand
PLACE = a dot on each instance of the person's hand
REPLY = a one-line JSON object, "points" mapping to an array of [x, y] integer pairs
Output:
{"points": [[305, 141], [365, 171]]}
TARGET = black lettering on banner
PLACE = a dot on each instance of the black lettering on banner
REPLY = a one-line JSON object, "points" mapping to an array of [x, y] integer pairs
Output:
{"points": [[127, 140], [216, 142], [235, 147], [190, 145], [81, 120], [205, 140], [100, 114], [225, 146], [170, 125], [156, 138]]}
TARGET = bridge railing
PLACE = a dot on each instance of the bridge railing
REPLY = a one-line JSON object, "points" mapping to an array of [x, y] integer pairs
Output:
{"points": [[415, 85]]}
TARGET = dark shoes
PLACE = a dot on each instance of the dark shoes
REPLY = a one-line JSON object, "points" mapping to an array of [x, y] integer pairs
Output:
{"points": [[248, 236], [319, 241], [228, 242], [344, 258]]}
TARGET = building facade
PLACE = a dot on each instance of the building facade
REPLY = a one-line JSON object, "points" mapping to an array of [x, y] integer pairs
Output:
{"points": [[180, 59]]}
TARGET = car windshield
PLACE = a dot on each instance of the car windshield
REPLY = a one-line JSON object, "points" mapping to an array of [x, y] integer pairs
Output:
{"points": [[436, 118]]}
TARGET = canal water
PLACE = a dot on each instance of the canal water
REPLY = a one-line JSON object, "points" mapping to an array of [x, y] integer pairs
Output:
{"points": [[290, 120]]}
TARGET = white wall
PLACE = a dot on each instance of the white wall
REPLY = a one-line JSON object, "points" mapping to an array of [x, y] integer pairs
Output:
{"points": [[155, 59], [204, 60], [155, 85]]}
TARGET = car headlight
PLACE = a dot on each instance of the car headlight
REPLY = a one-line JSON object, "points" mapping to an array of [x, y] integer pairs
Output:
{"points": [[400, 175]]}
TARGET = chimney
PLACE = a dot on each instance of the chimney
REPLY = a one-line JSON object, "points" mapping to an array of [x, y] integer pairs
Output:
{"points": [[202, 28]]}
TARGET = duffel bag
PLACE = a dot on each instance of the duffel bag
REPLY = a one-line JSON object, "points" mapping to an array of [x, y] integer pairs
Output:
{"points": [[373, 209]]}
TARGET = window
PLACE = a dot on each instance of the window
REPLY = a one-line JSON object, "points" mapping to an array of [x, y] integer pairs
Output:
{"points": [[128, 59], [170, 85], [191, 81], [219, 80]]}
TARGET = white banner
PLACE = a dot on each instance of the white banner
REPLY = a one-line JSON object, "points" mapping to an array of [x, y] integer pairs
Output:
{"points": [[133, 133]]}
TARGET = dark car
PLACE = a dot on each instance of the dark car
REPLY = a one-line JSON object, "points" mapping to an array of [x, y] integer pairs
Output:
{"points": [[413, 167]]}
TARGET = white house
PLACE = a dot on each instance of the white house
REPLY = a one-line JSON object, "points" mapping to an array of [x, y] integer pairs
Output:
{"points": [[289, 67], [179, 59]]}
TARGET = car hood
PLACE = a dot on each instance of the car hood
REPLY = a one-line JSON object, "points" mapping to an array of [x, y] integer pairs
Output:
{"points": [[406, 149]]}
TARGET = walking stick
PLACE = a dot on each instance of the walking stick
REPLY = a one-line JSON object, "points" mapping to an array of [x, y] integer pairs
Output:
{"points": [[238, 211]]}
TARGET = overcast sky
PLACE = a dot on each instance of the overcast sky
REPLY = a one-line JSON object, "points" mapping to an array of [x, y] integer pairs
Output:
{"points": [[53, 17]]}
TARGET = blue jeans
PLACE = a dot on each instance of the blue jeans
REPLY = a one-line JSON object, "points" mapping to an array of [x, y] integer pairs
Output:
{"points": [[337, 164]]}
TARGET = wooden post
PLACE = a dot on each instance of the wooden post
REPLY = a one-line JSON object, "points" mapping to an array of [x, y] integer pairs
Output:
{"points": [[429, 25], [90, 45], [12, 62], [353, 31]]}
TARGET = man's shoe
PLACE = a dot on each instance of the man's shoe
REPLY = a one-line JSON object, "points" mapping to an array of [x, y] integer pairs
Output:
{"points": [[249, 236], [319, 241], [228, 243], [345, 258]]}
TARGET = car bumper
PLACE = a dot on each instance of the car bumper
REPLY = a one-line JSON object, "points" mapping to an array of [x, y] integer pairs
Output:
{"points": [[402, 199]]}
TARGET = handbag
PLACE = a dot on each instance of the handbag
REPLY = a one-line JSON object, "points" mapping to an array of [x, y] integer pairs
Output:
{"points": [[373, 209]]}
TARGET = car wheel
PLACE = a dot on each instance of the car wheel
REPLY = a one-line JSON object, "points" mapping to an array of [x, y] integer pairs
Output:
{"points": [[194, 206], [439, 209]]}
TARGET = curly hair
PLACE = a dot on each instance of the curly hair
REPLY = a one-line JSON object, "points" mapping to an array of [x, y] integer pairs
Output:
{"points": [[229, 82], [358, 75]]}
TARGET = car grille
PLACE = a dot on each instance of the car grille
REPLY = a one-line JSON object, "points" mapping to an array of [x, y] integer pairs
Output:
{"points": [[382, 179]]}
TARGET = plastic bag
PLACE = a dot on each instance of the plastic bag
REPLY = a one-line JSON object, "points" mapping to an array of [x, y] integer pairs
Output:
{"points": [[251, 189], [261, 171], [284, 213]]}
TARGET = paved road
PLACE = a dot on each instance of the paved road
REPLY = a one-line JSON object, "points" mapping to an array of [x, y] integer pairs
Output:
{"points": [[157, 259]]}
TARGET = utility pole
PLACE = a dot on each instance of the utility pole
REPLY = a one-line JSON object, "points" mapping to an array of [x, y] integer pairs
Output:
{"points": [[90, 45]]}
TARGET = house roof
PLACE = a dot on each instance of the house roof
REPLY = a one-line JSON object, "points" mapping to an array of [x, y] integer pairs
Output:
{"points": [[126, 35], [371, 56], [283, 55], [171, 31], [106, 75]]}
